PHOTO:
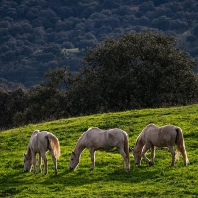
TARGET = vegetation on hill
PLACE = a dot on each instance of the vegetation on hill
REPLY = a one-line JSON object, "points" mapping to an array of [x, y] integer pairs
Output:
{"points": [[138, 70], [38, 35], [109, 178]]}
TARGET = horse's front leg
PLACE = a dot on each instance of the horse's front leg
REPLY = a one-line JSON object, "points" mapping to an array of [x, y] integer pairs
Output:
{"points": [[152, 155], [126, 159], [40, 163], [92, 153], [34, 162], [143, 154], [171, 149]]}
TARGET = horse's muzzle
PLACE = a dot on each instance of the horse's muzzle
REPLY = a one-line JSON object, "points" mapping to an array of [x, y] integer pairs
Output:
{"points": [[71, 169]]}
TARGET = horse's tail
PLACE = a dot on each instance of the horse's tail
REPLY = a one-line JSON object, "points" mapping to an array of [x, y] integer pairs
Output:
{"points": [[126, 147], [54, 143], [181, 144]]}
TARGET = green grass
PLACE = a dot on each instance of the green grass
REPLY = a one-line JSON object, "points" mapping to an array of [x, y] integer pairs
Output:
{"points": [[109, 178]]}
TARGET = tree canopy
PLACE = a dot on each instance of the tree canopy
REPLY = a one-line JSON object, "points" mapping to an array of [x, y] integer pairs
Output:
{"points": [[137, 70], [134, 71]]}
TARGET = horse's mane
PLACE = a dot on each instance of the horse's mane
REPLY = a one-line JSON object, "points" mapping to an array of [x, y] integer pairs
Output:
{"points": [[139, 139], [29, 154], [139, 143], [35, 132]]}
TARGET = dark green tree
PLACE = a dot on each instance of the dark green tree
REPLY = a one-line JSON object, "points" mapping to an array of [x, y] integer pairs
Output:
{"points": [[46, 101], [11, 102], [135, 71]]}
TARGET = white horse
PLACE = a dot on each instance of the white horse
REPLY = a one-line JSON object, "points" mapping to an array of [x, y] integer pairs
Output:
{"points": [[165, 136], [41, 142], [96, 139]]}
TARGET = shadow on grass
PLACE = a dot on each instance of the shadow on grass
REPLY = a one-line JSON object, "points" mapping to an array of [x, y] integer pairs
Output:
{"points": [[87, 176], [15, 182]]}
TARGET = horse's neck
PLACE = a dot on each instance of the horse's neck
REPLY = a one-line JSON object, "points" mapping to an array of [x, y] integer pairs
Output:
{"points": [[80, 146], [29, 154]]}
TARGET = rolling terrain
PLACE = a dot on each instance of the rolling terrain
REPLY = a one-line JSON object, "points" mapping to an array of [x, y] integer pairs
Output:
{"points": [[109, 178]]}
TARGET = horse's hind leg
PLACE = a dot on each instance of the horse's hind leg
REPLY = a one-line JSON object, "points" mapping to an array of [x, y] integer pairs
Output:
{"points": [[40, 163], [171, 148], [127, 161], [45, 162], [54, 162], [184, 155]]}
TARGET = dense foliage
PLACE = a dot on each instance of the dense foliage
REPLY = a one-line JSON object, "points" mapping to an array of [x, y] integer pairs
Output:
{"points": [[137, 70], [36, 35]]}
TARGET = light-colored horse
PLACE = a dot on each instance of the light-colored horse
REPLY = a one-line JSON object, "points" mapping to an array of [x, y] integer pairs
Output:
{"points": [[96, 139], [154, 136], [41, 142]]}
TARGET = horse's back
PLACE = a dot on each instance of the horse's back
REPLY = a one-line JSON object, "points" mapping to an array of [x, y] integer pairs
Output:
{"points": [[168, 133], [150, 131], [95, 132], [104, 139], [38, 141], [118, 134], [160, 136]]}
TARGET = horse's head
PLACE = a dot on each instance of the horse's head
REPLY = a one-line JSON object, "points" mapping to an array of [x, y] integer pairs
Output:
{"points": [[27, 163], [136, 155], [74, 160]]}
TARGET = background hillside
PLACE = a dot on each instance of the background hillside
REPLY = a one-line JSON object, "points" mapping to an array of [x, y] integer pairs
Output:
{"points": [[109, 178], [36, 35]]}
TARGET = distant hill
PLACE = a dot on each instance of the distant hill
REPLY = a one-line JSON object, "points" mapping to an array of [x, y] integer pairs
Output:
{"points": [[42, 34]]}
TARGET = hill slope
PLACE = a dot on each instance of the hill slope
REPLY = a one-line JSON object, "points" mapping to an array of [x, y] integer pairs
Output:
{"points": [[109, 178]]}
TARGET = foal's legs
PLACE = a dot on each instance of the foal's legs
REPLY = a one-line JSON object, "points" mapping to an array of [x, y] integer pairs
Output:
{"points": [[54, 161], [92, 153], [126, 159]]}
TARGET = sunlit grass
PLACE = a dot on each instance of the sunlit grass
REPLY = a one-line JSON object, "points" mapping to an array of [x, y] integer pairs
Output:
{"points": [[109, 178]]}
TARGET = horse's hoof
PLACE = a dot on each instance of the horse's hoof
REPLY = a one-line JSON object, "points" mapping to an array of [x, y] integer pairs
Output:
{"points": [[185, 164], [151, 163]]}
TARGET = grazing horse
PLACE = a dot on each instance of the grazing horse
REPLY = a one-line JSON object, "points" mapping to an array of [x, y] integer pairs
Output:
{"points": [[41, 142], [96, 139], [165, 136]]}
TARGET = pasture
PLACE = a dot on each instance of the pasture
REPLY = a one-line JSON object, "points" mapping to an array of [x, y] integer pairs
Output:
{"points": [[109, 178]]}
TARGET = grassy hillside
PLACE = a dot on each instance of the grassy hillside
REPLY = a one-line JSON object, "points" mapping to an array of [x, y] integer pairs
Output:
{"points": [[109, 178]]}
